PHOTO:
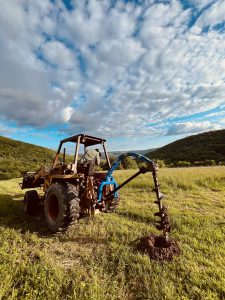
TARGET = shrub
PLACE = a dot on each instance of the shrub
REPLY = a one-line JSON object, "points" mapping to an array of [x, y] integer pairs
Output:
{"points": [[210, 162], [160, 163], [15, 174], [183, 164], [104, 164], [129, 163], [5, 175], [142, 164]]}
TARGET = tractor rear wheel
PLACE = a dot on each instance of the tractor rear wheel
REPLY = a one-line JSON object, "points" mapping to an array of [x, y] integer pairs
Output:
{"points": [[61, 206], [31, 202]]}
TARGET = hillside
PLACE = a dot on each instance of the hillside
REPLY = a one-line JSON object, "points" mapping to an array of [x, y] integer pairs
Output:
{"points": [[201, 147], [18, 157], [143, 152]]}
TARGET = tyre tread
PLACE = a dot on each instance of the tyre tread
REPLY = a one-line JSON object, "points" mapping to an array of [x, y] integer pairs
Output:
{"points": [[69, 195]]}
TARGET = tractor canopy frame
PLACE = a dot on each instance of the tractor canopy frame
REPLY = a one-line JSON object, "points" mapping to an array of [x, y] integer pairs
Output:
{"points": [[79, 139]]}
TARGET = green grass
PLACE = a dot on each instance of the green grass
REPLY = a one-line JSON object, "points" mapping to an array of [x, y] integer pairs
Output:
{"points": [[96, 259]]}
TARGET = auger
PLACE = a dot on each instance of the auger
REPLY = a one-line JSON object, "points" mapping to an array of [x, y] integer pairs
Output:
{"points": [[163, 224]]}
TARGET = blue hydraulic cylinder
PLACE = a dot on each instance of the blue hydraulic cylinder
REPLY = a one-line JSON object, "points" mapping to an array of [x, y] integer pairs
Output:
{"points": [[109, 179]]}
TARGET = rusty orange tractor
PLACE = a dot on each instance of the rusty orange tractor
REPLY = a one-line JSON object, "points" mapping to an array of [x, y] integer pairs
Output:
{"points": [[72, 190]]}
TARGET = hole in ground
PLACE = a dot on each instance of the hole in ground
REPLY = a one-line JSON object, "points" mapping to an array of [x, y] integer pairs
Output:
{"points": [[158, 248]]}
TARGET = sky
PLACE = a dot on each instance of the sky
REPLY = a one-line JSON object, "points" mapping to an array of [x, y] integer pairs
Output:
{"points": [[139, 73]]}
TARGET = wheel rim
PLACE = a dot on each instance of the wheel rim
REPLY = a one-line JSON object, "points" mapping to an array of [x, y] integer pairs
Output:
{"points": [[53, 206]]}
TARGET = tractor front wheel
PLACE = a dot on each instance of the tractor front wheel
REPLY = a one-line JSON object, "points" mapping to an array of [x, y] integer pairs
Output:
{"points": [[61, 206], [31, 202]]}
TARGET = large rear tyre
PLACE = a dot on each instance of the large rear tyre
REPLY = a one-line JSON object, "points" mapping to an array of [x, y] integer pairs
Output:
{"points": [[61, 206], [31, 202]]}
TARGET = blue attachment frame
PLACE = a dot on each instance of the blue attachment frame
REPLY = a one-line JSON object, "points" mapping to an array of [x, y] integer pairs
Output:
{"points": [[109, 179]]}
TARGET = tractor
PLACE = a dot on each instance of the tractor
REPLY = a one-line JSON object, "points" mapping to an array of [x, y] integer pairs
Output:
{"points": [[73, 190]]}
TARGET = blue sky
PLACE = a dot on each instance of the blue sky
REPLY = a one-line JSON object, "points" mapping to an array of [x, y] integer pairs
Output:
{"points": [[139, 73]]}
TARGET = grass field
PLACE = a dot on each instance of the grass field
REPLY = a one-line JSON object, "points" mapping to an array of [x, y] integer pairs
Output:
{"points": [[97, 259]]}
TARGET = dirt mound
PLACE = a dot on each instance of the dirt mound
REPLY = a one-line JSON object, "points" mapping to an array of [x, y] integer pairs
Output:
{"points": [[158, 248]]}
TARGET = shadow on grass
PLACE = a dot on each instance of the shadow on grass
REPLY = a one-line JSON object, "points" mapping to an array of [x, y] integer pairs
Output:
{"points": [[13, 216]]}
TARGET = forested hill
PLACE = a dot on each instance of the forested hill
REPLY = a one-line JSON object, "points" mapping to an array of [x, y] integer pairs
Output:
{"points": [[196, 148], [142, 152], [17, 157]]}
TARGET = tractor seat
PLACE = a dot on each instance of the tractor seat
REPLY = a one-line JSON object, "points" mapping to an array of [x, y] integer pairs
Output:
{"points": [[88, 168]]}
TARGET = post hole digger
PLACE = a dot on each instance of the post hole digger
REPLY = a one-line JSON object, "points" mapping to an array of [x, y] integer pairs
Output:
{"points": [[164, 224], [73, 190]]}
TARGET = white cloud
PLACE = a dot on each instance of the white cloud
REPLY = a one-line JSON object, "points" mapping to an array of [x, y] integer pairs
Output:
{"points": [[90, 24], [192, 127], [111, 71], [6, 130], [57, 53], [119, 53], [200, 4], [67, 113], [214, 15]]}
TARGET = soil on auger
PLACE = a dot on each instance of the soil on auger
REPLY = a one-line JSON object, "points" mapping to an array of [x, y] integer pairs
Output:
{"points": [[158, 248]]}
